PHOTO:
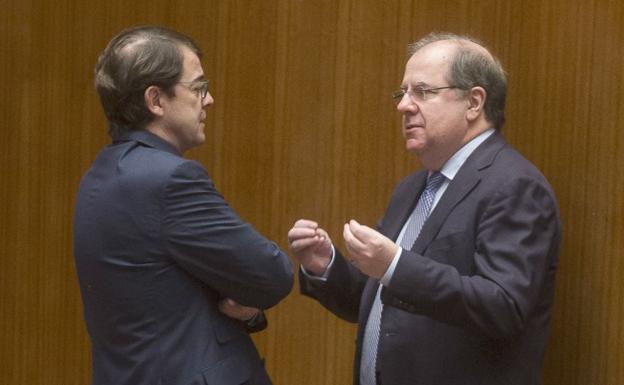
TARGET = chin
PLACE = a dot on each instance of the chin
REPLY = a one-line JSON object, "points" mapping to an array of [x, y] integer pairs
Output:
{"points": [[414, 148], [197, 141]]}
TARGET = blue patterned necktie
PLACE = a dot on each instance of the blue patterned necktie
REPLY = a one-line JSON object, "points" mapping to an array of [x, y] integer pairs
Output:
{"points": [[421, 212], [413, 227]]}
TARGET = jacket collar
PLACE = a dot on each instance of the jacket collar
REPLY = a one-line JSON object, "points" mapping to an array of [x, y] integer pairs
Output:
{"points": [[467, 178], [148, 139]]}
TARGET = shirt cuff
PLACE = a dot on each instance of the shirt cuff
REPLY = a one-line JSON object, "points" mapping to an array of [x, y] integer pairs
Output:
{"points": [[385, 280]]}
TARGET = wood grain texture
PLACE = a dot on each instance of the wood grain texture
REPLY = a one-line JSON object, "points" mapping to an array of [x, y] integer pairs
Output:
{"points": [[303, 126]]}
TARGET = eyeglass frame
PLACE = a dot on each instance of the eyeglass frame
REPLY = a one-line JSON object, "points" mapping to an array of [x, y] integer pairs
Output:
{"points": [[201, 87], [412, 92]]}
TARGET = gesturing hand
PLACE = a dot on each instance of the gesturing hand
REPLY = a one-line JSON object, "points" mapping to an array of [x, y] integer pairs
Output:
{"points": [[311, 245], [370, 251]]}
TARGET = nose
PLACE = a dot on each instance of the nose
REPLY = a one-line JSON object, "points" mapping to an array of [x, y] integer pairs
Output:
{"points": [[208, 100], [406, 104]]}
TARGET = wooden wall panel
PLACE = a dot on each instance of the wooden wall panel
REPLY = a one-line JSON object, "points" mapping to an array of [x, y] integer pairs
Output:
{"points": [[303, 125]]}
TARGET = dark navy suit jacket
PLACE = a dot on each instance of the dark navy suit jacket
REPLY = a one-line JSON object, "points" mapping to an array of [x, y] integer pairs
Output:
{"points": [[470, 303], [156, 247]]}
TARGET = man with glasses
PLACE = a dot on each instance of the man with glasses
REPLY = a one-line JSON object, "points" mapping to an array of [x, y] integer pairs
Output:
{"points": [[172, 279], [456, 283]]}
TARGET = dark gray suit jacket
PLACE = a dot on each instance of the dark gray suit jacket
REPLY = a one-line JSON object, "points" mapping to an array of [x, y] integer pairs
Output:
{"points": [[471, 302], [156, 247]]}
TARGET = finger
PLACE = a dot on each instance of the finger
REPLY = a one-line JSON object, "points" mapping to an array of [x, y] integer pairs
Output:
{"points": [[354, 226], [346, 233], [301, 232], [354, 244], [347, 236], [305, 223], [322, 233], [362, 232], [303, 244], [354, 230]]}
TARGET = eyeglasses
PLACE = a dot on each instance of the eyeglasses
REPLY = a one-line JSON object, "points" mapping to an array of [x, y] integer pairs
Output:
{"points": [[417, 94], [200, 87]]}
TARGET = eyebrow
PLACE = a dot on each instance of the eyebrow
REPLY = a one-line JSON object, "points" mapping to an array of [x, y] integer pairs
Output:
{"points": [[417, 85], [198, 79]]}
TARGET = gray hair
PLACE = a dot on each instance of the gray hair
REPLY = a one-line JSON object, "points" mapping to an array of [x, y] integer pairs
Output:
{"points": [[470, 68]]}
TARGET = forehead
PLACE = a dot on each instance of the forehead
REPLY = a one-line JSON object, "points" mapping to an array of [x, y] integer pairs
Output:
{"points": [[191, 66], [429, 65]]}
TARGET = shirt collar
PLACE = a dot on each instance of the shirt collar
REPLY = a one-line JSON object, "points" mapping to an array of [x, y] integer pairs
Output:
{"points": [[452, 166]]}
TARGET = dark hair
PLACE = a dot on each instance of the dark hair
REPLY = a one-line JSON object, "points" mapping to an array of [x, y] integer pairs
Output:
{"points": [[134, 60], [470, 68]]}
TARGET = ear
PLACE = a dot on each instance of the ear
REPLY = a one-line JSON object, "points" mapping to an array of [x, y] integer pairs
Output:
{"points": [[476, 102], [153, 100]]}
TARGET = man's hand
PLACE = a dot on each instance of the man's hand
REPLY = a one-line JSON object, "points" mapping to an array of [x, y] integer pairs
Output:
{"points": [[311, 245], [370, 251], [232, 309]]}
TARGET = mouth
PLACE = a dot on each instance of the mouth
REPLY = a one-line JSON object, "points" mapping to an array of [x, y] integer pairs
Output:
{"points": [[412, 131], [412, 126]]}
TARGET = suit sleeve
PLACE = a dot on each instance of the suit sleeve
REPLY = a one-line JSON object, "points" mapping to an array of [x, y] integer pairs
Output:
{"points": [[342, 291], [513, 254], [211, 242]]}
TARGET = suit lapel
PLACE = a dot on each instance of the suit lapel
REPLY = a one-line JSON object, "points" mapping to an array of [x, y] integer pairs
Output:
{"points": [[402, 205], [403, 202], [466, 179], [456, 191]]}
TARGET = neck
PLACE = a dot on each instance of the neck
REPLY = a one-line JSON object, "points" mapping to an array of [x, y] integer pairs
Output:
{"points": [[165, 135], [435, 160]]}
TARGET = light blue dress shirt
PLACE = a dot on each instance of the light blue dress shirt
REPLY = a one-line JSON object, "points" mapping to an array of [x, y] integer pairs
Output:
{"points": [[449, 170]]}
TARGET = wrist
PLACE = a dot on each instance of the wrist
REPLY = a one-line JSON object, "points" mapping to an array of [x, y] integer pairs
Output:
{"points": [[317, 267]]}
